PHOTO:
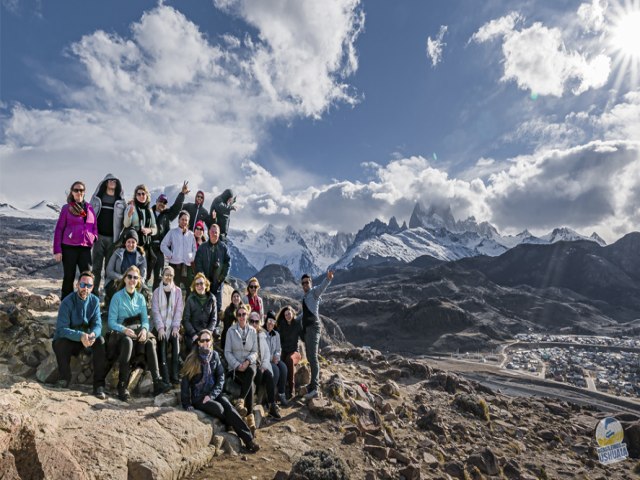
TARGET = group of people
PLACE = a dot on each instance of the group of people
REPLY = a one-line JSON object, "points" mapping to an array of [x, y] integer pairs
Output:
{"points": [[134, 242]]}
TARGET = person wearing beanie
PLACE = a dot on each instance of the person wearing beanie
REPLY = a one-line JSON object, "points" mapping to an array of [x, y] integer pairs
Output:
{"points": [[197, 211], [123, 258], [199, 232], [164, 216]]}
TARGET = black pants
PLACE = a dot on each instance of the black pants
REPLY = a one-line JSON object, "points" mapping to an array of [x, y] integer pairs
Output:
{"points": [[183, 275], [65, 349], [245, 379], [280, 373], [157, 266], [73, 257], [152, 258], [221, 408], [163, 346], [266, 378], [126, 350]]}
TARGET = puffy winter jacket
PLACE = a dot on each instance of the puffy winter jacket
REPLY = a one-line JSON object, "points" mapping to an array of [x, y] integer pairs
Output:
{"points": [[75, 230]]}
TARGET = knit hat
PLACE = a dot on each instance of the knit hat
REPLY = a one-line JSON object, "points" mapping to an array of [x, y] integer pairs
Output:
{"points": [[200, 224], [131, 234], [271, 314]]}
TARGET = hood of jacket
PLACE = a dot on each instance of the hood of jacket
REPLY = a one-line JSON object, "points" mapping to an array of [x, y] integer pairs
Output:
{"points": [[110, 176]]}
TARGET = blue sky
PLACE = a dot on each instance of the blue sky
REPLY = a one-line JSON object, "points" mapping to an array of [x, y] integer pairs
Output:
{"points": [[326, 114]]}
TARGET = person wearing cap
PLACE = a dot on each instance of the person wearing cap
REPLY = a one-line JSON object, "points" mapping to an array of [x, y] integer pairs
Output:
{"points": [[197, 211], [108, 203], [179, 248], [221, 209], [78, 328], [164, 217], [123, 258], [199, 231]]}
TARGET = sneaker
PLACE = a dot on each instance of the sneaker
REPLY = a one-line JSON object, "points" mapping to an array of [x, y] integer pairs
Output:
{"points": [[274, 411], [62, 384], [311, 394], [283, 400], [239, 406], [252, 446], [99, 393], [123, 394], [160, 387]]}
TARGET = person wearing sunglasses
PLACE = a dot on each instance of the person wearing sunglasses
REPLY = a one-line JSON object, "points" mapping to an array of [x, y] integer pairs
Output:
{"points": [[141, 218], [252, 299], [166, 313], [200, 311], [310, 318], [78, 328], [202, 385], [199, 232], [241, 354], [264, 372], [278, 367], [129, 326], [164, 216], [290, 330], [74, 235], [197, 211], [130, 254], [108, 201]]}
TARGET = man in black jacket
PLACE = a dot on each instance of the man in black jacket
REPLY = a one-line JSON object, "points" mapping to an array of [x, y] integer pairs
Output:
{"points": [[212, 259], [221, 209], [164, 217], [197, 211]]}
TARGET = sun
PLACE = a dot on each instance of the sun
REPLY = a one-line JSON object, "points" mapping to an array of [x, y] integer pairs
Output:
{"points": [[624, 40]]}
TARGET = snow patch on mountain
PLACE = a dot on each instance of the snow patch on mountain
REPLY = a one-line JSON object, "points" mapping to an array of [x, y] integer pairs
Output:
{"points": [[41, 210]]}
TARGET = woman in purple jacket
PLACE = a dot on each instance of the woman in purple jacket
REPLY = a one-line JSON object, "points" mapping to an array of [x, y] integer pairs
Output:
{"points": [[75, 233]]}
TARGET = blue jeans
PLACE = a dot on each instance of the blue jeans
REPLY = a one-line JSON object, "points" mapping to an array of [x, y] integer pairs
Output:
{"points": [[280, 372], [311, 345]]}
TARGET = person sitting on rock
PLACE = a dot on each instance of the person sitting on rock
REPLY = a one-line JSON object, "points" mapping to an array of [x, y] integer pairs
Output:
{"points": [[290, 330], [78, 328], [264, 373], [201, 388], [310, 318], [123, 258], [179, 249], [166, 312], [229, 317], [241, 353], [129, 326], [252, 299], [200, 311], [278, 367]]}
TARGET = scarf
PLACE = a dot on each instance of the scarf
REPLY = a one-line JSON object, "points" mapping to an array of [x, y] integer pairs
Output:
{"points": [[202, 299], [165, 306], [78, 209], [206, 383]]}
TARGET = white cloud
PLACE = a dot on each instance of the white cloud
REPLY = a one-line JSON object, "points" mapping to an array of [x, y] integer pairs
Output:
{"points": [[537, 60], [593, 15], [436, 45]]}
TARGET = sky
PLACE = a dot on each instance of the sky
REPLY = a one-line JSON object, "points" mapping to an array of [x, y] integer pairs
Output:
{"points": [[327, 114]]}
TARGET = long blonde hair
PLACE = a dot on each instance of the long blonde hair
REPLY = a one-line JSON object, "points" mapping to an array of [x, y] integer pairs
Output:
{"points": [[121, 282], [192, 366]]}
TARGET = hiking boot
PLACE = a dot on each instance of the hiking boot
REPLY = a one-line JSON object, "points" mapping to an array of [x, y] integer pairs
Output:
{"points": [[310, 394], [239, 406], [252, 446], [123, 393], [159, 387], [274, 411], [251, 423], [99, 393], [283, 400], [62, 384]]}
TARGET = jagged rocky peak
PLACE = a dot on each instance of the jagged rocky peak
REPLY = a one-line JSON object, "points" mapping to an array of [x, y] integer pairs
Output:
{"points": [[372, 229], [393, 224], [524, 234], [598, 239], [437, 216]]}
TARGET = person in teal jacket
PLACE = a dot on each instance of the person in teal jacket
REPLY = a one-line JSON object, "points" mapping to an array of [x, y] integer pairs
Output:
{"points": [[79, 327], [128, 322]]}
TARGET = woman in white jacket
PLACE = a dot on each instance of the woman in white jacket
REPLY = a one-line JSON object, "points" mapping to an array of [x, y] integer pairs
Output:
{"points": [[166, 313], [264, 374]]}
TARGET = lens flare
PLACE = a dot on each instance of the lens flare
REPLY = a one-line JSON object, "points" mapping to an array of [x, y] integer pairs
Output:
{"points": [[624, 40]]}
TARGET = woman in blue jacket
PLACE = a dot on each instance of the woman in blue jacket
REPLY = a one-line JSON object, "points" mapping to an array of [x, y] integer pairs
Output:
{"points": [[202, 383]]}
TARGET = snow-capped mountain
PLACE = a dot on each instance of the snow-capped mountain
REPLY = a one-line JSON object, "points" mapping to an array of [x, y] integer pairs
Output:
{"points": [[437, 233], [44, 209]]}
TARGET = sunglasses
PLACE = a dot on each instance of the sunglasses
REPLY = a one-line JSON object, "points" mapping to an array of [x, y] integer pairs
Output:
{"points": [[140, 194], [199, 284], [204, 340], [254, 322], [133, 277], [85, 285], [253, 287], [77, 190], [306, 282], [200, 228], [241, 315]]}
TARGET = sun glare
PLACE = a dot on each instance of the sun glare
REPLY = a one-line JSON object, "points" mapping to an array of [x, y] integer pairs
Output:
{"points": [[624, 40]]}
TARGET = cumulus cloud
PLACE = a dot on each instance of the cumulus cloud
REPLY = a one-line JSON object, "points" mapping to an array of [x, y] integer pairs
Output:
{"points": [[436, 45], [165, 100], [593, 15], [536, 58]]}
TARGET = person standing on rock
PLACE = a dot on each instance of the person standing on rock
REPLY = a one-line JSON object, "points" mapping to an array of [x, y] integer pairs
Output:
{"points": [[164, 217], [109, 203], [197, 211], [200, 311], [310, 317], [140, 217], [129, 325], [221, 209], [290, 330], [75, 234], [201, 388], [252, 299], [214, 261], [78, 328], [166, 311], [179, 248]]}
